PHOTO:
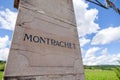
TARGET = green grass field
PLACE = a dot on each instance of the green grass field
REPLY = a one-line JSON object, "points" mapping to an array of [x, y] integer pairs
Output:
{"points": [[1, 74], [100, 74]]}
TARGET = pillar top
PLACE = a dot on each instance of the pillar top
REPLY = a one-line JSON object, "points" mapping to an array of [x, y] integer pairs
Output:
{"points": [[16, 3]]}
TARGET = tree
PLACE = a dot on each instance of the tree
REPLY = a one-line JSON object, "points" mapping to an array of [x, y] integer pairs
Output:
{"points": [[117, 71], [109, 4]]}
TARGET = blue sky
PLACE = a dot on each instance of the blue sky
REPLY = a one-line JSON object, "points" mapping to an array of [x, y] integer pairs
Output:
{"points": [[98, 29]]}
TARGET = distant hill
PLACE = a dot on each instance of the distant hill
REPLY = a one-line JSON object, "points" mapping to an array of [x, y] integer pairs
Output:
{"points": [[2, 61], [103, 67]]}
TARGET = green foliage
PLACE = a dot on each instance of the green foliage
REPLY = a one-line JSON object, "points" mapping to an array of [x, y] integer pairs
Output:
{"points": [[117, 71], [2, 65]]}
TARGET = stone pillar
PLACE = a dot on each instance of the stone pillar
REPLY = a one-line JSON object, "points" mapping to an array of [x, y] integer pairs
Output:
{"points": [[45, 43]]}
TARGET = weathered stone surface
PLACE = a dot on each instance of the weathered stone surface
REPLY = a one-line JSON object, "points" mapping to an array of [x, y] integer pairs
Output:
{"points": [[45, 43]]}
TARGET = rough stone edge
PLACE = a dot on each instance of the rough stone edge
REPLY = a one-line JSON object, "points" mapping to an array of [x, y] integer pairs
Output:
{"points": [[16, 3]]}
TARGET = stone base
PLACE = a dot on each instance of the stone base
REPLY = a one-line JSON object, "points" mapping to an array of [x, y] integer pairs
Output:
{"points": [[49, 77]]}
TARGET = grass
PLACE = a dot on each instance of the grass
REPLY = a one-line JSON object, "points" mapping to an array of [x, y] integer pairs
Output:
{"points": [[1, 74], [100, 74]]}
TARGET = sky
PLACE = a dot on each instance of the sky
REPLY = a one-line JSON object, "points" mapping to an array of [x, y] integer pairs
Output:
{"points": [[98, 29]]}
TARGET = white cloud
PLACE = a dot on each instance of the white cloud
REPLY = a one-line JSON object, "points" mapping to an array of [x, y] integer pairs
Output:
{"points": [[90, 58], [85, 18], [107, 36], [91, 51], [7, 19], [86, 26], [84, 41], [4, 42], [4, 54], [104, 58]]}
